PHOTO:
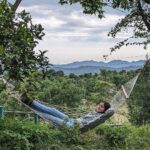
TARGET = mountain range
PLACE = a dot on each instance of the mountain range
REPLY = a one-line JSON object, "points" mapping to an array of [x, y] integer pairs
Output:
{"points": [[91, 66]]}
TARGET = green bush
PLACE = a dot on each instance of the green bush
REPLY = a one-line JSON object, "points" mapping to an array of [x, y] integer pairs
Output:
{"points": [[125, 137], [114, 135], [139, 138], [21, 135]]}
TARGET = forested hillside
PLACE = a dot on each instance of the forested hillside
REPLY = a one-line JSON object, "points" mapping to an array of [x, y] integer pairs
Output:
{"points": [[83, 67]]}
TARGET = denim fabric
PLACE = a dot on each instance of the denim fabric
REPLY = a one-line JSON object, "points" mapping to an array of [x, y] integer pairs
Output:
{"points": [[55, 120], [52, 114], [48, 110], [70, 123]]}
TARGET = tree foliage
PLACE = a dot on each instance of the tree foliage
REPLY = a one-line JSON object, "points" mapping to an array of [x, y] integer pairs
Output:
{"points": [[137, 19], [18, 38], [139, 104]]}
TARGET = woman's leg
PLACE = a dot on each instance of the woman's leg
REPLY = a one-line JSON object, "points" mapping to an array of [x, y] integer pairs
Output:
{"points": [[57, 121], [49, 110]]}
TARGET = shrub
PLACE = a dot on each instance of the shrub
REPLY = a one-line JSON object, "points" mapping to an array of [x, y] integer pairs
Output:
{"points": [[21, 135], [114, 135], [139, 138]]}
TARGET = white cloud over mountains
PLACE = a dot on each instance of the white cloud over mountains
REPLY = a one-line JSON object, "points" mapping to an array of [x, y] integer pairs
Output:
{"points": [[70, 23]]}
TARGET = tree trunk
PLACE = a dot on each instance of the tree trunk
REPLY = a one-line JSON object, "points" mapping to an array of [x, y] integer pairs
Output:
{"points": [[16, 4]]}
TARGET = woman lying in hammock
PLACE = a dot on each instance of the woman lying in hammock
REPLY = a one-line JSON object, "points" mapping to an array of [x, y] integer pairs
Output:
{"points": [[58, 118]]}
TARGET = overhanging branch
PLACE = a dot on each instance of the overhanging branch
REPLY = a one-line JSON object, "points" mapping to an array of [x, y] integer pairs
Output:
{"points": [[16, 4], [147, 1], [144, 16]]}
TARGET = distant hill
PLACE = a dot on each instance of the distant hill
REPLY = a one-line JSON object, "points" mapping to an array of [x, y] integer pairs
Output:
{"points": [[95, 67]]}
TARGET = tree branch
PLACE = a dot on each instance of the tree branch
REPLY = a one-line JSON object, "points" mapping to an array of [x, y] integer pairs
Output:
{"points": [[16, 4], [147, 1], [144, 16]]}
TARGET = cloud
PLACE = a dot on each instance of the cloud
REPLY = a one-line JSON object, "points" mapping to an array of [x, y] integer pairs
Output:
{"points": [[93, 21], [71, 21], [33, 8], [68, 23], [50, 22], [71, 33]]}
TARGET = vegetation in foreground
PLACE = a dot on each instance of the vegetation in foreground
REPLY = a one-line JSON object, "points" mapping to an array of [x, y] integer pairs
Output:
{"points": [[24, 135], [21, 135]]}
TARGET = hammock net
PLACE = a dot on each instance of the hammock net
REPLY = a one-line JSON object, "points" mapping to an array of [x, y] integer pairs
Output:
{"points": [[118, 100], [124, 93]]}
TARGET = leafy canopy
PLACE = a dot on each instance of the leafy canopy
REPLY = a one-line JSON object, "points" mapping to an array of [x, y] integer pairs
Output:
{"points": [[18, 38]]}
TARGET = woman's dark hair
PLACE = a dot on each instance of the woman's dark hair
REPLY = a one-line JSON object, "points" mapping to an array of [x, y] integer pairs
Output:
{"points": [[106, 105]]}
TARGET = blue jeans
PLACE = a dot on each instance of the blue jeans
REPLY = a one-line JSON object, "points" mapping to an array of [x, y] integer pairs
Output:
{"points": [[52, 114]]}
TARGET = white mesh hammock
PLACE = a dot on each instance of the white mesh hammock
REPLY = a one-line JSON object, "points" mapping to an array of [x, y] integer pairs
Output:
{"points": [[118, 100], [124, 93]]}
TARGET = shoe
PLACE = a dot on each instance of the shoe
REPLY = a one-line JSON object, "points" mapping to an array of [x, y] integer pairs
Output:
{"points": [[25, 99]]}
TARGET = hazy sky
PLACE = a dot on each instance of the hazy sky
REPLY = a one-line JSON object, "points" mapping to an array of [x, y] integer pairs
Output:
{"points": [[73, 36]]}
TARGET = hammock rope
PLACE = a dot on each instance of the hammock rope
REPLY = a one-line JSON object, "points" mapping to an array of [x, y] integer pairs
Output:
{"points": [[117, 101], [124, 93]]}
